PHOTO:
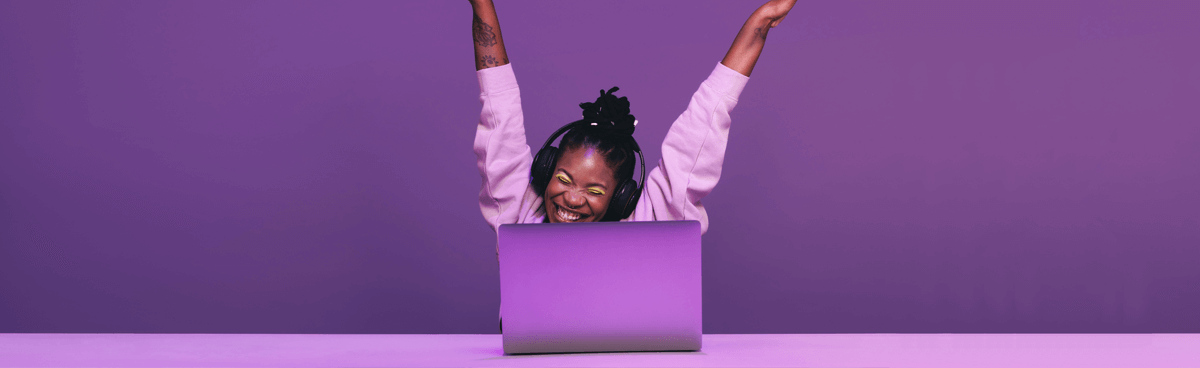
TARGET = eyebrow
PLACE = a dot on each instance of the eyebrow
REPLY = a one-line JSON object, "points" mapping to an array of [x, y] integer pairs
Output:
{"points": [[569, 176]]}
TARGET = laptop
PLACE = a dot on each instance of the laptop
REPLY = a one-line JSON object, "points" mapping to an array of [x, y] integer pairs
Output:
{"points": [[600, 287]]}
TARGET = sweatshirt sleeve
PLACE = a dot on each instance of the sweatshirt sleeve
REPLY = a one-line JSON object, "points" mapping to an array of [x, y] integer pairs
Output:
{"points": [[692, 153], [503, 155]]}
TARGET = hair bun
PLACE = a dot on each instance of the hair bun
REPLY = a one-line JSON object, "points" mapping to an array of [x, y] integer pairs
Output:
{"points": [[609, 113]]}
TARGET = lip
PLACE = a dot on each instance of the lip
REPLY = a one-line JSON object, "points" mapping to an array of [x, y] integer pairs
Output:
{"points": [[564, 209]]}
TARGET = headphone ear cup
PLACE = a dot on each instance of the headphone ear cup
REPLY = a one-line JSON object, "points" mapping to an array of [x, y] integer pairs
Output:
{"points": [[623, 201], [632, 202], [543, 166]]}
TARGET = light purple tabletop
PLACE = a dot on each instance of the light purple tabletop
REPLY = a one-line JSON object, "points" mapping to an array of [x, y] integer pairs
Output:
{"points": [[811, 350]]}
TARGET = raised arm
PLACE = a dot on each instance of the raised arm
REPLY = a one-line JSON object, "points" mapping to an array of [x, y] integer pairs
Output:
{"points": [[485, 29], [748, 44], [504, 156]]}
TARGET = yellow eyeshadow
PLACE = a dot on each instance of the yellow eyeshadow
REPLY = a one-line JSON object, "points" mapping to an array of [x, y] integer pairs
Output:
{"points": [[596, 191], [563, 178]]}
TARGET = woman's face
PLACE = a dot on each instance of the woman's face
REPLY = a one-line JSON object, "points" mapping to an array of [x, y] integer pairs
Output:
{"points": [[580, 187]]}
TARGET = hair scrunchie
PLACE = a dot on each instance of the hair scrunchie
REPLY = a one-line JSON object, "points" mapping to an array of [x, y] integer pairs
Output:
{"points": [[609, 113]]}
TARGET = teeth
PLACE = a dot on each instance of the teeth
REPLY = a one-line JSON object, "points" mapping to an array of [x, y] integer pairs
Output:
{"points": [[567, 216]]}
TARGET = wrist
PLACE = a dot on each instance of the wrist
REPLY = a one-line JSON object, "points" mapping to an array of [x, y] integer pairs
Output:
{"points": [[758, 16], [762, 18], [484, 10]]}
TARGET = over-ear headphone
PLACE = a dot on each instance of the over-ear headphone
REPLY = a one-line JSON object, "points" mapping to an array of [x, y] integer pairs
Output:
{"points": [[624, 199]]}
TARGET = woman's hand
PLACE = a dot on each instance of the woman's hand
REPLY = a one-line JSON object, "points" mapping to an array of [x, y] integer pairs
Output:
{"points": [[774, 11], [748, 44]]}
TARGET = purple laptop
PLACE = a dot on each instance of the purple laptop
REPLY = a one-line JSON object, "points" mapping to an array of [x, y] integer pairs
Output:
{"points": [[600, 286]]}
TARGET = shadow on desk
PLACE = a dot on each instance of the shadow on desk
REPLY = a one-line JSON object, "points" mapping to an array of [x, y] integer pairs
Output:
{"points": [[501, 356]]}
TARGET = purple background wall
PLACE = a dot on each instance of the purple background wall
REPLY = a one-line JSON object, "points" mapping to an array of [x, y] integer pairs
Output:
{"points": [[306, 167]]}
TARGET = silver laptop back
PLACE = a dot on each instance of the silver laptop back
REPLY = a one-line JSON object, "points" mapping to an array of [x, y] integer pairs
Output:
{"points": [[607, 286]]}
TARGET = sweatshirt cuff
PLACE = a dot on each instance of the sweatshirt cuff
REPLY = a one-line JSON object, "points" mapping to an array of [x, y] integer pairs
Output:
{"points": [[727, 81], [496, 79]]}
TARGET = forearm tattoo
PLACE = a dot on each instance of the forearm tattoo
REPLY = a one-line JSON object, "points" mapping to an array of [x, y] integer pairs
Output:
{"points": [[761, 32], [482, 32], [489, 60]]}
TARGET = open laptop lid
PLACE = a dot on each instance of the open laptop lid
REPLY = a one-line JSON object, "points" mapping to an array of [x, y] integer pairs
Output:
{"points": [[602, 286]]}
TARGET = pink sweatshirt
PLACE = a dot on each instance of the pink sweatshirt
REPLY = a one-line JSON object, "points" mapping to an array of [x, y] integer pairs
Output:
{"points": [[692, 153]]}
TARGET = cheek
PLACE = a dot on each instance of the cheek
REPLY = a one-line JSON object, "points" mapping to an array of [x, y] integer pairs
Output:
{"points": [[599, 204], [554, 188]]}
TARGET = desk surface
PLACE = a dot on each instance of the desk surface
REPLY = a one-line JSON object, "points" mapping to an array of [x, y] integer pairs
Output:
{"points": [[808, 350]]}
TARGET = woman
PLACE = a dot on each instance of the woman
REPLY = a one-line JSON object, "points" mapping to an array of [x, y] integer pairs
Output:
{"points": [[595, 161]]}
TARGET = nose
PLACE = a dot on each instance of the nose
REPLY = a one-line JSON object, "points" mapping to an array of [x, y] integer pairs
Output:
{"points": [[573, 199]]}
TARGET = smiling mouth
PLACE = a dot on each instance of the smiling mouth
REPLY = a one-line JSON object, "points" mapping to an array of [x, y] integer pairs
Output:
{"points": [[566, 216]]}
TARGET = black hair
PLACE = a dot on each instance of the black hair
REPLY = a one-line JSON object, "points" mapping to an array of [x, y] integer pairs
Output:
{"points": [[607, 127]]}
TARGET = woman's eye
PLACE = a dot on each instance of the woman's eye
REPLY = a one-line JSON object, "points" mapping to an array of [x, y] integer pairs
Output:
{"points": [[563, 178], [596, 191]]}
